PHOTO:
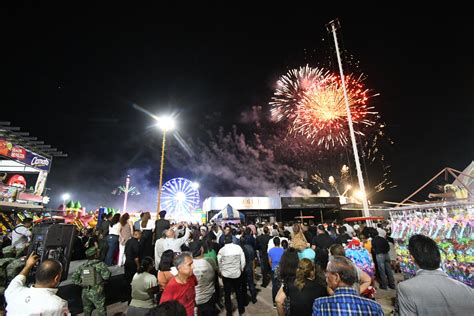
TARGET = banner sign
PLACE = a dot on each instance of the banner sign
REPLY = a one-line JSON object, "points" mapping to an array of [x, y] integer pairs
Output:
{"points": [[24, 156], [263, 213], [310, 202], [242, 203]]}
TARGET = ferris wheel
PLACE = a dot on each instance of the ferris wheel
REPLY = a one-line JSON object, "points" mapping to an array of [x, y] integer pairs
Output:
{"points": [[179, 197]]}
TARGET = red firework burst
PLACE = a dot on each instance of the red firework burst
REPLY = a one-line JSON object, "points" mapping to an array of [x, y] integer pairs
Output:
{"points": [[312, 100]]}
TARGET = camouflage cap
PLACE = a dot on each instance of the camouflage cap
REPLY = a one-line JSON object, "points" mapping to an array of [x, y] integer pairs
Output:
{"points": [[90, 252], [9, 251]]}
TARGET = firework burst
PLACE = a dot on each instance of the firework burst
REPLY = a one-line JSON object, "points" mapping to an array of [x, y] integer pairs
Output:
{"points": [[312, 100]]}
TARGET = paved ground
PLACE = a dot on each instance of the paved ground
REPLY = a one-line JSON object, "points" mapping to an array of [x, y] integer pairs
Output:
{"points": [[264, 305]]}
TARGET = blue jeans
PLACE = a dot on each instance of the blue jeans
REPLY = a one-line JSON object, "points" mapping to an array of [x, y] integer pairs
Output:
{"points": [[247, 279], [385, 270], [112, 241]]}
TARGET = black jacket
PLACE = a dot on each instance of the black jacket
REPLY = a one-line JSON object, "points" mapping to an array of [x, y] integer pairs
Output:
{"points": [[380, 245], [322, 241], [343, 239], [160, 226], [262, 244]]}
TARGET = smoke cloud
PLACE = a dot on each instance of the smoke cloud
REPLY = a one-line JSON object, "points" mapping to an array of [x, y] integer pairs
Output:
{"points": [[230, 164]]}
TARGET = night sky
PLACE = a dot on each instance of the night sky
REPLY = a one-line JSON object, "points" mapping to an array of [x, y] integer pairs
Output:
{"points": [[71, 76]]}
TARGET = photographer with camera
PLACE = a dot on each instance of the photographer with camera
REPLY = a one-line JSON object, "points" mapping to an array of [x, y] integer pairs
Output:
{"points": [[173, 243], [41, 298]]}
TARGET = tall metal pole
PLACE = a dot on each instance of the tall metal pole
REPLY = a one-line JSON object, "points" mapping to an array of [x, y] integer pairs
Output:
{"points": [[333, 24], [127, 182], [161, 174]]}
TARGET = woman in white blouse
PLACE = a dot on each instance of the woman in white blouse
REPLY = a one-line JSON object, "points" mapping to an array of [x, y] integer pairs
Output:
{"points": [[112, 239]]}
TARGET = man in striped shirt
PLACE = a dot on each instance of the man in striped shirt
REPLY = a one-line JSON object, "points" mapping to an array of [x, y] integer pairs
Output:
{"points": [[340, 276]]}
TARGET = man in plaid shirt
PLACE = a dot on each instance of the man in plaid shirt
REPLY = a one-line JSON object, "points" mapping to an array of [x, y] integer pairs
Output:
{"points": [[340, 276]]}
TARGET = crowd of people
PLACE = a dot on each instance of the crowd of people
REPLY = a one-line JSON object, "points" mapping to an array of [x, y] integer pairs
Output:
{"points": [[178, 269]]}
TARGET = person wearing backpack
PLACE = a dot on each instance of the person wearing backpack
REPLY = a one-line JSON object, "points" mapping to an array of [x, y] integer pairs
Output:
{"points": [[8, 257], [91, 276]]}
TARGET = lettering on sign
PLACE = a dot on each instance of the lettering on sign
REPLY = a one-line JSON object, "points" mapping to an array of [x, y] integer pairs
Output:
{"points": [[39, 162], [18, 153], [247, 202]]}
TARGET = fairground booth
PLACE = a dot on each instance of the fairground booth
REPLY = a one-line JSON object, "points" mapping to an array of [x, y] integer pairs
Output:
{"points": [[448, 221], [25, 163]]}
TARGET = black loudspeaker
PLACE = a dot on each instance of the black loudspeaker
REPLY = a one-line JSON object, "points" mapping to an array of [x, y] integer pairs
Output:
{"points": [[53, 241]]}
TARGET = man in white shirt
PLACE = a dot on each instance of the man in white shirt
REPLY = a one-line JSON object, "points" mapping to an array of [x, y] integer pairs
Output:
{"points": [[21, 235], [381, 231], [231, 261], [41, 298], [205, 274], [173, 243], [159, 248]]}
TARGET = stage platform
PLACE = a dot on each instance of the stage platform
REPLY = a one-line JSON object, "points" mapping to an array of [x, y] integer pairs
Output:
{"points": [[114, 288]]}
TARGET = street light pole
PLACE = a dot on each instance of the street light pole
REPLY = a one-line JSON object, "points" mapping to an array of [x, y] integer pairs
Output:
{"points": [[165, 123], [161, 173], [127, 183]]}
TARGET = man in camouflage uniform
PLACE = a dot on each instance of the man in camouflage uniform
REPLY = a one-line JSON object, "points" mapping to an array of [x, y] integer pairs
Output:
{"points": [[8, 257], [92, 295], [10, 266], [15, 267]]}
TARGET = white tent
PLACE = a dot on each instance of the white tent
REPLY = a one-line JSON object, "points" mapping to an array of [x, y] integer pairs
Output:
{"points": [[228, 213]]}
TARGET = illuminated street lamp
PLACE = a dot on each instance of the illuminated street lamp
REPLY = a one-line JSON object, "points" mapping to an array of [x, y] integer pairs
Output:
{"points": [[65, 196], [166, 124]]}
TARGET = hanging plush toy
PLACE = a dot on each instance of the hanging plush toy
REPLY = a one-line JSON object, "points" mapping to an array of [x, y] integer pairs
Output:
{"points": [[17, 181], [15, 184]]}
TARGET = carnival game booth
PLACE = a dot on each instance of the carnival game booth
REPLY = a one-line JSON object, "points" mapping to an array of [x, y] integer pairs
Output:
{"points": [[448, 221], [450, 224], [25, 163]]}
